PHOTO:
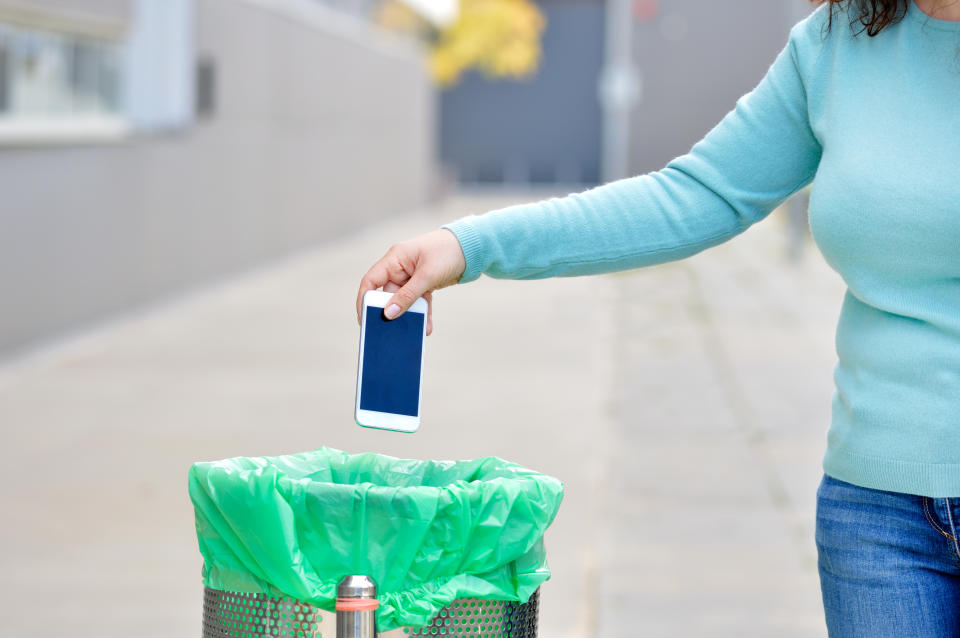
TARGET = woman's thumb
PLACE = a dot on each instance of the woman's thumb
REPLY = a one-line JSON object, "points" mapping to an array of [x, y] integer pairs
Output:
{"points": [[404, 298]]}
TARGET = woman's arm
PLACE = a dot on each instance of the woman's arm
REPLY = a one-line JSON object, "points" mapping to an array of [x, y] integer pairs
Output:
{"points": [[758, 155]]}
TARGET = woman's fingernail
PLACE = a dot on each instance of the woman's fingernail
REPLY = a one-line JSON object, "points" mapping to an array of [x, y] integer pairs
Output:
{"points": [[392, 311]]}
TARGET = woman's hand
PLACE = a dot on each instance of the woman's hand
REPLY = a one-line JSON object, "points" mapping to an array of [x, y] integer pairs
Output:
{"points": [[415, 268]]}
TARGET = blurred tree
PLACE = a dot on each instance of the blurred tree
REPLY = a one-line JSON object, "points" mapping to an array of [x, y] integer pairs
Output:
{"points": [[500, 38]]}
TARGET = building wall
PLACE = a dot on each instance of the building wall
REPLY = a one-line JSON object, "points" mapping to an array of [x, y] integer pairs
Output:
{"points": [[544, 129], [695, 58], [316, 129]]}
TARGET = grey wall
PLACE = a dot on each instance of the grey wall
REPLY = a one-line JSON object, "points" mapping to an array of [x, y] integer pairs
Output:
{"points": [[544, 129], [314, 134], [695, 59]]}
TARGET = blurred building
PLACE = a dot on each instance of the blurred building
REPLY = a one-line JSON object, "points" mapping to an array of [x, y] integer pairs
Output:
{"points": [[149, 145], [693, 59], [542, 130], [627, 82]]}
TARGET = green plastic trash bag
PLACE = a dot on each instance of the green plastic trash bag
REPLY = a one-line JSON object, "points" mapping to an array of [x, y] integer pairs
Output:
{"points": [[427, 532]]}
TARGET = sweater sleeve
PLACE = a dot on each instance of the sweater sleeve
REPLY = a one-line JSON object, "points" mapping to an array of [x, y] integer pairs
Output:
{"points": [[758, 155]]}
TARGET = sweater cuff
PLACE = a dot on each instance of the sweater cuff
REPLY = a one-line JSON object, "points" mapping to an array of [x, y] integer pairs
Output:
{"points": [[472, 246]]}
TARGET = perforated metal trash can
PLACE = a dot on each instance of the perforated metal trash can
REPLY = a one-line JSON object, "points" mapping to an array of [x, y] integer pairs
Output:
{"points": [[487, 618], [235, 615]]}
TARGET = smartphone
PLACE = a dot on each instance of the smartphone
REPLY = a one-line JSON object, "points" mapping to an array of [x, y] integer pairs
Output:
{"points": [[390, 365]]}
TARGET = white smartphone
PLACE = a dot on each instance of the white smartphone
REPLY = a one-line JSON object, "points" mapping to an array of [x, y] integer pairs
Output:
{"points": [[390, 365]]}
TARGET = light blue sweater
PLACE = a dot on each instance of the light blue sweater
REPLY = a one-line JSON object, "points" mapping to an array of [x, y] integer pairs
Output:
{"points": [[875, 123]]}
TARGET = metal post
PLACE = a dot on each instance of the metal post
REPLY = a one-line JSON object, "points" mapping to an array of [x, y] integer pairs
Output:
{"points": [[356, 607], [619, 88]]}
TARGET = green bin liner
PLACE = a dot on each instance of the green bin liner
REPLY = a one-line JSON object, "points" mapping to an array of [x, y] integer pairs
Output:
{"points": [[427, 532]]}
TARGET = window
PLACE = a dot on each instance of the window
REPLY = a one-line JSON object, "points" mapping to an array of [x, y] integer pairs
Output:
{"points": [[47, 74]]}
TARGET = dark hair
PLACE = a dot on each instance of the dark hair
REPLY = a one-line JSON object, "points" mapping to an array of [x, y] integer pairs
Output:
{"points": [[872, 16]]}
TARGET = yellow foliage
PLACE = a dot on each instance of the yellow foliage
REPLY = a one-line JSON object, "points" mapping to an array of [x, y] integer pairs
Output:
{"points": [[501, 38]]}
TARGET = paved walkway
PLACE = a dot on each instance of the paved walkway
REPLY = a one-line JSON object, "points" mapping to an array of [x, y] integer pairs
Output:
{"points": [[684, 406]]}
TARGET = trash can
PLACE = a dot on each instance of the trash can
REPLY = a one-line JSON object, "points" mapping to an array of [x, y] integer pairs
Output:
{"points": [[455, 547], [236, 615]]}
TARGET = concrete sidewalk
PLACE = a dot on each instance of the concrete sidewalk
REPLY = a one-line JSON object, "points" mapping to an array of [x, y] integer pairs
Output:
{"points": [[684, 407]]}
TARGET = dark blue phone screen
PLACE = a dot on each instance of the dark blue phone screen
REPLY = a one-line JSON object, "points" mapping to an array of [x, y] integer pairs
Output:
{"points": [[391, 363]]}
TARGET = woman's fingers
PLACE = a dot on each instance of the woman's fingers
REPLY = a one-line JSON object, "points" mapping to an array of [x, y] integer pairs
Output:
{"points": [[390, 268], [402, 299], [374, 279], [414, 269]]}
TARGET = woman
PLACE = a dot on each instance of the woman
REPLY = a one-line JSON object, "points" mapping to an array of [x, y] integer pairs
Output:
{"points": [[873, 112]]}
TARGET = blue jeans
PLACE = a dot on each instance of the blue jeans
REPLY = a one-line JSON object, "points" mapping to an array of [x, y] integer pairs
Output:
{"points": [[889, 563]]}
